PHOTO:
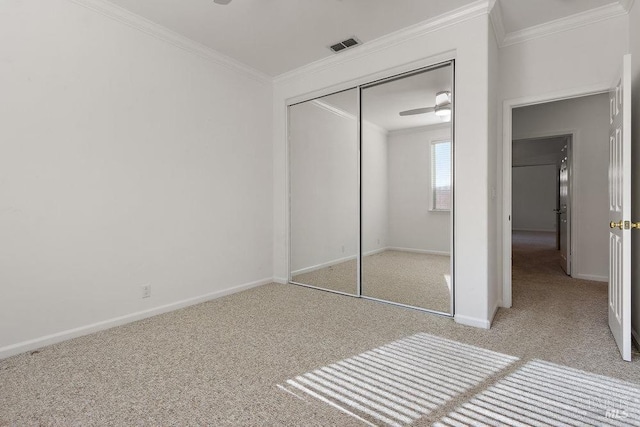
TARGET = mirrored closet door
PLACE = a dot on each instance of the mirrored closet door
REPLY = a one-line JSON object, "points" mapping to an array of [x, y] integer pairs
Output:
{"points": [[324, 194], [407, 192], [371, 190]]}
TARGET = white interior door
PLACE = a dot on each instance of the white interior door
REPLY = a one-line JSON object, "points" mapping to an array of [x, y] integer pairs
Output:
{"points": [[565, 229], [620, 209]]}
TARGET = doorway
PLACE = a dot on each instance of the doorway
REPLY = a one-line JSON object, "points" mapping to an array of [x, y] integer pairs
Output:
{"points": [[541, 193], [583, 120]]}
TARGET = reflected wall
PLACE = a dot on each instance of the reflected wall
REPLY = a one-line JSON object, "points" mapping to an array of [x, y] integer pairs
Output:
{"points": [[323, 164]]}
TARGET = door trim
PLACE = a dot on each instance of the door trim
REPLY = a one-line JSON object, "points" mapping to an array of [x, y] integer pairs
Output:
{"points": [[507, 137]]}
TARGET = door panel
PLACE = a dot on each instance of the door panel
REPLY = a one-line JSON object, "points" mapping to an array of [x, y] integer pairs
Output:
{"points": [[407, 151], [323, 178], [565, 229], [620, 209]]}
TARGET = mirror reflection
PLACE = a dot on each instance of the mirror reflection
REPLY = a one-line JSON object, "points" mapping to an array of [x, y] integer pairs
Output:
{"points": [[324, 195], [407, 190]]}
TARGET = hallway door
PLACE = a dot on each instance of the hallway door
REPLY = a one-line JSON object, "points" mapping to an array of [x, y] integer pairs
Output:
{"points": [[620, 209], [563, 211]]}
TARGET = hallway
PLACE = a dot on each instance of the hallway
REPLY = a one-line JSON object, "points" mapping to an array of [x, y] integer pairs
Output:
{"points": [[570, 313]]}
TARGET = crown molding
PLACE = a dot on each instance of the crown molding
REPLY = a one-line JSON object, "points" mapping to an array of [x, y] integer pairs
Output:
{"points": [[341, 113], [462, 14], [626, 4], [151, 28], [334, 110], [568, 23]]}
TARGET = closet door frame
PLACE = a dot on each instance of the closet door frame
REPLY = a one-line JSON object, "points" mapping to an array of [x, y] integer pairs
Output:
{"points": [[359, 87]]}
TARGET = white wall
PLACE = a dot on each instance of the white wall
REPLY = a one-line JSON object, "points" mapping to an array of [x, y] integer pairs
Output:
{"points": [[467, 42], [124, 161], [375, 189], [494, 293], [324, 186], [412, 225], [634, 48], [588, 117], [583, 57], [534, 197], [562, 64]]}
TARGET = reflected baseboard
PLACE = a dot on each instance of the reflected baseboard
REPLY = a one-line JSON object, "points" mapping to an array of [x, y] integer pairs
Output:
{"points": [[368, 253], [334, 262], [418, 251], [323, 265], [376, 251]]}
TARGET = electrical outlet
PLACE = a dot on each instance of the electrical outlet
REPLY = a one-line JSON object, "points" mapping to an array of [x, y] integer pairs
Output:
{"points": [[342, 248], [146, 291]]}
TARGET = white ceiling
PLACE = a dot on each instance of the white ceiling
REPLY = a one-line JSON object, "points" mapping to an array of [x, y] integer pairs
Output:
{"points": [[276, 36], [382, 104]]}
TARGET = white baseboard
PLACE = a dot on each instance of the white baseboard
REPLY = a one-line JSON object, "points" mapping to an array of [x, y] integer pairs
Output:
{"points": [[592, 277], [57, 337], [281, 280], [472, 321], [418, 251], [494, 311], [635, 338]]}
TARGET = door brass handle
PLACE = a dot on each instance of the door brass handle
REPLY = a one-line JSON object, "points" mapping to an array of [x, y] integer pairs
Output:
{"points": [[619, 225], [625, 225]]}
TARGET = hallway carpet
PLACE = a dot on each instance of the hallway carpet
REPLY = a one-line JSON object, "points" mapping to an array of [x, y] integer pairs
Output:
{"points": [[231, 362]]}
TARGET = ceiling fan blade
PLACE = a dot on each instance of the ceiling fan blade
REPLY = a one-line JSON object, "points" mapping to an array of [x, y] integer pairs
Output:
{"points": [[417, 111], [222, 1]]}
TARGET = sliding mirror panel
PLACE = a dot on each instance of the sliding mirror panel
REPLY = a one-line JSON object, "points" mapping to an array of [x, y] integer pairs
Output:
{"points": [[407, 192], [323, 177]]}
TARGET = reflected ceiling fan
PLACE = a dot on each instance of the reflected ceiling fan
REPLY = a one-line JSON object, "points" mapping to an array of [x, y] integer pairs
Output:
{"points": [[222, 1], [442, 107]]}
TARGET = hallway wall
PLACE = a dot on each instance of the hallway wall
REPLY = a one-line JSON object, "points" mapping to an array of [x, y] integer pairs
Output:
{"points": [[534, 198]]}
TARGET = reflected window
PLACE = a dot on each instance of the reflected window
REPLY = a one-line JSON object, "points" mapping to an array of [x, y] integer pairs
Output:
{"points": [[441, 176]]}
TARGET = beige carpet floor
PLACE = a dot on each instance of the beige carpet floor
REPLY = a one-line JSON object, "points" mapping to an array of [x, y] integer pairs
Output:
{"points": [[230, 362], [403, 277]]}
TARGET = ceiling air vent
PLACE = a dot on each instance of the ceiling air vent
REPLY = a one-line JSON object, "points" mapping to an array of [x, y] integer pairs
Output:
{"points": [[344, 45]]}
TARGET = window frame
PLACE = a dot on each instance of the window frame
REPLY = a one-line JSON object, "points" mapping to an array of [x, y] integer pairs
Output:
{"points": [[432, 189]]}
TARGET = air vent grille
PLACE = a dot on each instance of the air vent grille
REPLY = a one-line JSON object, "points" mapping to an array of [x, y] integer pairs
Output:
{"points": [[344, 45]]}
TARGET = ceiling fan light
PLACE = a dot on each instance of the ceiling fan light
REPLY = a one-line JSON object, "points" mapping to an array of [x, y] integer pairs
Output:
{"points": [[443, 98], [443, 111]]}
